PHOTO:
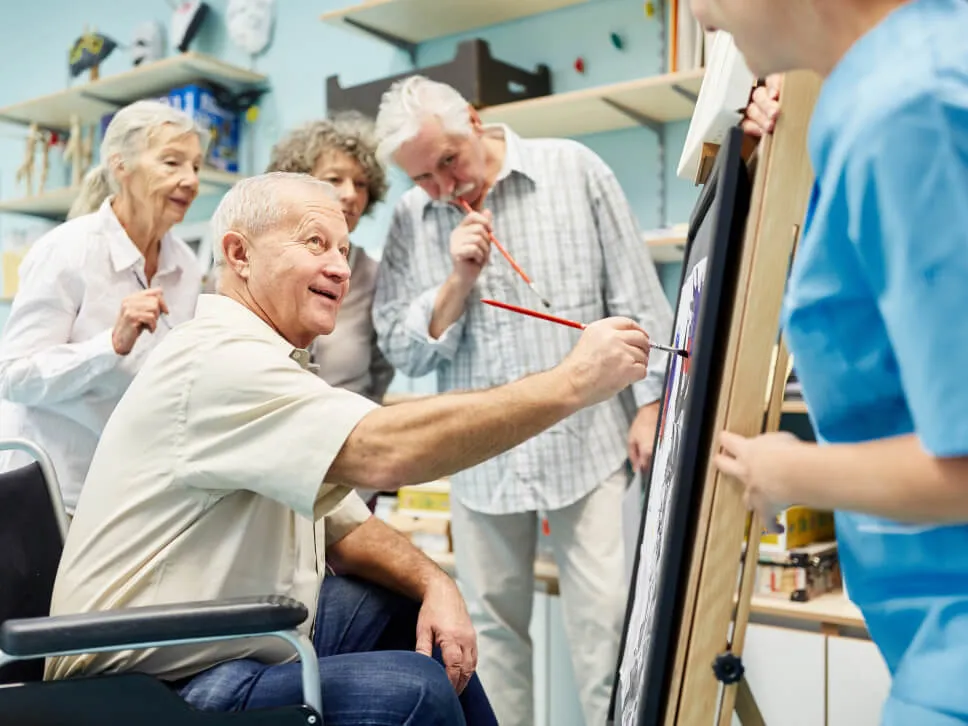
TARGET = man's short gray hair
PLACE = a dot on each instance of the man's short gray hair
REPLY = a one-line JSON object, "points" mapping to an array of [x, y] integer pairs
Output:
{"points": [[128, 134], [258, 204], [408, 103]]}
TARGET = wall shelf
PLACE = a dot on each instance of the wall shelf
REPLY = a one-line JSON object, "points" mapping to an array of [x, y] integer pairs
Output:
{"points": [[794, 406], [90, 101], [405, 23], [55, 203], [650, 101], [667, 245], [831, 608]]}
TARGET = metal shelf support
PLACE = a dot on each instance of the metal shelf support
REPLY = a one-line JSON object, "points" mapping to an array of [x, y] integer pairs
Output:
{"points": [[405, 45]]}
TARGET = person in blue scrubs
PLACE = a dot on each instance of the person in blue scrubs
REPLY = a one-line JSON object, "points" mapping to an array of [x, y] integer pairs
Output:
{"points": [[876, 317]]}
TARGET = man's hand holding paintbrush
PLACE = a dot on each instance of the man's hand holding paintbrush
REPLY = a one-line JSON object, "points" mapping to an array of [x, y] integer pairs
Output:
{"points": [[611, 354]]}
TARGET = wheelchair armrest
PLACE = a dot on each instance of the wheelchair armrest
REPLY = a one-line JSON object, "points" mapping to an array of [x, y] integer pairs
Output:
{"points": [[237, 617]]}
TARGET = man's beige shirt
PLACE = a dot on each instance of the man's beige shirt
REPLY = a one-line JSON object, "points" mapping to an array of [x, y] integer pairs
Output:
{"points": [[204, 486]]}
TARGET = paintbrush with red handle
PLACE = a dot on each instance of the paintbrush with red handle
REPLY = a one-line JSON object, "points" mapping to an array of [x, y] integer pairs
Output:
{"points": [[507, 255], [572, 324]]}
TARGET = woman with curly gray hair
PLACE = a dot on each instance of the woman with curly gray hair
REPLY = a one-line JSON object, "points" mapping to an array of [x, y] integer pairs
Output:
{"points": [[342, 151]]}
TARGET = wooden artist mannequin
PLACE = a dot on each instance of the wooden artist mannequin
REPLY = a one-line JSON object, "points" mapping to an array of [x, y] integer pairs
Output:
{"points": [[25, 172], [45, 140], [74, 151]]}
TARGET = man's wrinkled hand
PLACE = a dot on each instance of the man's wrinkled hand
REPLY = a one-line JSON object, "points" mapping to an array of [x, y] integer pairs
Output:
{"points": [[443, 621]]}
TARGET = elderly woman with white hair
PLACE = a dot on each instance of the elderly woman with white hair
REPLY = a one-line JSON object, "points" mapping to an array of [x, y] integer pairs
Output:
{"points": [[98, 292]]}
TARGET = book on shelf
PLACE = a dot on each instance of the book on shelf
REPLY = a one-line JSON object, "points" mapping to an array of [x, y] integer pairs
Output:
{"points": [[688, 42]]}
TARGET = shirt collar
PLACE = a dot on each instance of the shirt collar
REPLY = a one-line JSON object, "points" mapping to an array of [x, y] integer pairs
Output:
{"points": [[515, 156], [865, 59], [227, 309], [124, 254], [515, 160]]}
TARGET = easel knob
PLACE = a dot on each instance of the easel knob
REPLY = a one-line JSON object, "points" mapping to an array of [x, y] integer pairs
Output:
{"points": [[728, 668]]}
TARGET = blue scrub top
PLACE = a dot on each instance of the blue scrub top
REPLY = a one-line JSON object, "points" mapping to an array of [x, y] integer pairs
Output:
{"points": [[876, 317]]}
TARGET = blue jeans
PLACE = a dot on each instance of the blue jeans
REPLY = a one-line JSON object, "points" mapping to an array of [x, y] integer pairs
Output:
{"points": [[369, 672]]}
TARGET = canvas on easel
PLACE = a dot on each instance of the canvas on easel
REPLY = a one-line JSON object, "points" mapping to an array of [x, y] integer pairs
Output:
{"points": [[678, 465], [685, 613]]}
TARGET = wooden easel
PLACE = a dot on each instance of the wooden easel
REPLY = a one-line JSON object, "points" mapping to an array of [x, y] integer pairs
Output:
{"points": [[781, 188]]}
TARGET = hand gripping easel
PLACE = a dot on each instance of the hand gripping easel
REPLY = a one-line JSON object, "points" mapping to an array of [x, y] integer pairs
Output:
{"points": [[707, 673]]}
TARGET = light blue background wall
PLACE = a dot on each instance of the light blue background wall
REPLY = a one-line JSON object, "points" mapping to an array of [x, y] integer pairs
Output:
{"points": [[36, 37]]}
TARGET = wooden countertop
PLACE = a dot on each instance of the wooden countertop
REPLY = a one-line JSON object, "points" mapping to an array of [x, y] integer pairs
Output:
{"points": [[830, 609]]}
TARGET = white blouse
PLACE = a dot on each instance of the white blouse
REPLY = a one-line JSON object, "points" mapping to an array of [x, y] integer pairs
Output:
{"points": [[60, 378]]}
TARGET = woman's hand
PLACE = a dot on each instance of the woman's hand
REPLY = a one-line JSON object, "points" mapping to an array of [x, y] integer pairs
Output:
{"points": [[759, 464], [138, 312], [764, 108]]}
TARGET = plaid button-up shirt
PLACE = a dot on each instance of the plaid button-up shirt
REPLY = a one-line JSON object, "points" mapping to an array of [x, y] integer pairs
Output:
{"points": [[560, 212]]}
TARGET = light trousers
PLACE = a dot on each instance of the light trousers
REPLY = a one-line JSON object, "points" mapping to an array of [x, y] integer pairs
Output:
{"points": [[494, 557]]}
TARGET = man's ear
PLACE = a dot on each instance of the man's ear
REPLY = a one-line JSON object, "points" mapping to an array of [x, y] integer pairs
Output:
{"points": [[235, 249], [476, 124]]}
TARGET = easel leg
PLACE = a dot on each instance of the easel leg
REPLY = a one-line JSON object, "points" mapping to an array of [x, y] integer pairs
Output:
{"points": [[746, 708]]}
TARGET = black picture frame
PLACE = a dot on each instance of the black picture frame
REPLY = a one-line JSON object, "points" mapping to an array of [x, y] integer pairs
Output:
{"points": [[683, 443]]}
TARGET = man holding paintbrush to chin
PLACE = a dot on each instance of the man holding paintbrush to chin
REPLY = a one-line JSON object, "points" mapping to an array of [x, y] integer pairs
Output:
{"points": [[541, 224]]}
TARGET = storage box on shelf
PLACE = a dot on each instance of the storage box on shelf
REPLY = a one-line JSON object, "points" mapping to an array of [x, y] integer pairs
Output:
{"points": [[802, 526], [474, 72], [799, 574], [214, 110], [420, 512], [430, 499]]}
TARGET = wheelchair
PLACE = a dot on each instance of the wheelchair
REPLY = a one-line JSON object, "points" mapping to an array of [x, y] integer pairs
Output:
{"points": [[33, 527]]}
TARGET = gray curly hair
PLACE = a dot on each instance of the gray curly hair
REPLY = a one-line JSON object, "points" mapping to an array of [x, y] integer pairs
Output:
{"points": [[349, 132]]}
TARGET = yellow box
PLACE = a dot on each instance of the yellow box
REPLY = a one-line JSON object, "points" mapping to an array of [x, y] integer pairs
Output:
{"points": [[11, 260], [432, 496], [801, 526]]}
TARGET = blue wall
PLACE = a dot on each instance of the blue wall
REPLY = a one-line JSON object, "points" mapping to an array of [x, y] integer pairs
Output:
{"points": [[304, 52]]}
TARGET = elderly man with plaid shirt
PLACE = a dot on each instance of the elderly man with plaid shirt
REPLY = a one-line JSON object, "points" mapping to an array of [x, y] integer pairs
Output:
{"points": [[559, 211]]}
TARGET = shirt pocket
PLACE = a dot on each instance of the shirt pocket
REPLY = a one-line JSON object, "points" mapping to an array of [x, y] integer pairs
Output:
{"points": [[565, 256]]}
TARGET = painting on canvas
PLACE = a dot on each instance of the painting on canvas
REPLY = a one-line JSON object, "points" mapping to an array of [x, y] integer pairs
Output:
{"points": [[683, 440]]}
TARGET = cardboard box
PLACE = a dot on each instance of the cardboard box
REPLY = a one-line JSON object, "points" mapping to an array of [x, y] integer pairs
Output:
{"points": [[431, 497], [799, 574], [801, 526], [199, 102], [430, 534], [223, 126]]}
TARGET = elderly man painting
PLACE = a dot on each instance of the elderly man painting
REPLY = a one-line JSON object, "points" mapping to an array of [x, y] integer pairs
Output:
{"points": [[560, 212], [228, 470]]}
